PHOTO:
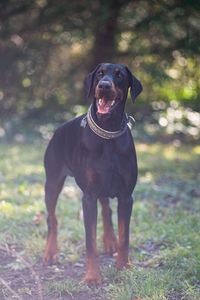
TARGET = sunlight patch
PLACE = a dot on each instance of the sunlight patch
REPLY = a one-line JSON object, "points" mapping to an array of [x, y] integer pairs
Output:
{"points": [[6, 208]]}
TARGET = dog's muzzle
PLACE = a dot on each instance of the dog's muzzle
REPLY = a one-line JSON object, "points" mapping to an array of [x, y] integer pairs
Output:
{"points": [[106, 96]]}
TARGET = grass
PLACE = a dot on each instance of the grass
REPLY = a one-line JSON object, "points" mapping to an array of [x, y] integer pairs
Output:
{"points": [[61, 288], [165, 227]]}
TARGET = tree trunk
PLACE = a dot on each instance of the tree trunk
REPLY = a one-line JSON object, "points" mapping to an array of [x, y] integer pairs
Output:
{"points": [[105, 30]]}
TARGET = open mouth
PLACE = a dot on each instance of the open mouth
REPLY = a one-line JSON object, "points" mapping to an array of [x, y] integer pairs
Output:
{"points": [[104, 106]]}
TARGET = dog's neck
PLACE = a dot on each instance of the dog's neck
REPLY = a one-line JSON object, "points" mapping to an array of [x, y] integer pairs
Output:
{"points": [[110, 122]]}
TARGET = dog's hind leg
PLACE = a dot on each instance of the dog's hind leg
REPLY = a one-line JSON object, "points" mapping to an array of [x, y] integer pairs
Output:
{"points": [[109, 239]]}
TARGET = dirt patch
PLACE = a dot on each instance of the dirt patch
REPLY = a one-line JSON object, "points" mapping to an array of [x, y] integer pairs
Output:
{"points": [[22, 279]]}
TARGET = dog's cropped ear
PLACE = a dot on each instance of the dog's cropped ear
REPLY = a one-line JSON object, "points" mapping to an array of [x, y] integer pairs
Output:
{"points": [[134, 84], [89, 82]]}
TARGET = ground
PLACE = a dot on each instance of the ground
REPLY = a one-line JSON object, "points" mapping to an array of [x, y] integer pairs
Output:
{"points": [[165, 241]]}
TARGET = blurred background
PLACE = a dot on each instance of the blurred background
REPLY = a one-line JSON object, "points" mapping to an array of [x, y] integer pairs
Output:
{"points": [[47, 47]]}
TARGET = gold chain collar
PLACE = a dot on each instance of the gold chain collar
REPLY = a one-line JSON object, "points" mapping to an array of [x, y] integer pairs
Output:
{"points": [[104, 133]]}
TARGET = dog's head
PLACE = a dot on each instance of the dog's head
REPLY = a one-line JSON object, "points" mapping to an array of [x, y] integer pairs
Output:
{"points": [[108, 85]]}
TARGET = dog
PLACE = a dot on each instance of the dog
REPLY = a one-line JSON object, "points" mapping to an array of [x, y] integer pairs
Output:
{"points": [[96, 148]]}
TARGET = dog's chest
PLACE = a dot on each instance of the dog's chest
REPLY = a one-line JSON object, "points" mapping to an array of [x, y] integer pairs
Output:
{"points": [[106, 154], [104, 174], [105, 168], [106, 161]]}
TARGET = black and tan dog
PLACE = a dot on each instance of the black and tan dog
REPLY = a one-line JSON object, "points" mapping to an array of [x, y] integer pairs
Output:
{"points": [[98, 150]]}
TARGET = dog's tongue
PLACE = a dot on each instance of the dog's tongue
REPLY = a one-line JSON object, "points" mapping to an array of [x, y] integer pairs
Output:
{"points": [[103, 106]]}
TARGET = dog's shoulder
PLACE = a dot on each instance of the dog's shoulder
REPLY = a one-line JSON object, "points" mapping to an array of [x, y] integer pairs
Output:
{"points": [[69, 128], [66, 133], [71, 124]]}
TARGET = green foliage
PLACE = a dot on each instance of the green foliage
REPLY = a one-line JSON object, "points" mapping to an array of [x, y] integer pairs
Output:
{"points": [[48, 47]]}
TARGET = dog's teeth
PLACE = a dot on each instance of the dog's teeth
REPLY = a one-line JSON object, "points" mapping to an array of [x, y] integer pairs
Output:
{"points": [[113, 102]]}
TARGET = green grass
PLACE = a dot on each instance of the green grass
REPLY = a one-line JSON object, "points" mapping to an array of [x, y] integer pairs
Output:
{"points": [[69, 287], [165, 227]]}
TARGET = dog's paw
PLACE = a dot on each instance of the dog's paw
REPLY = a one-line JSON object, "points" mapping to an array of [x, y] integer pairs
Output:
{"points": [[92, 278], [122, 262], [50, 259]]}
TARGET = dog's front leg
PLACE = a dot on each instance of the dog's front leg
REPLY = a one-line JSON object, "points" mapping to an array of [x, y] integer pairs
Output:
{"points": [[92, 275], [124, 215], [52, 190]]}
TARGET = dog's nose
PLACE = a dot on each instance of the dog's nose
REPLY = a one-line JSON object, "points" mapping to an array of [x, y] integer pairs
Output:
{"points": [[104, 85]]}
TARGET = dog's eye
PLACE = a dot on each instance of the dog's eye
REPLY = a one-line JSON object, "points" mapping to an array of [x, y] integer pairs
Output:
{"points": [[118, 74], [100, 73]]}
